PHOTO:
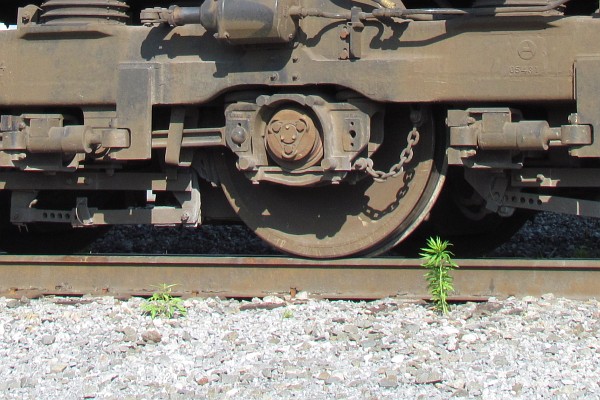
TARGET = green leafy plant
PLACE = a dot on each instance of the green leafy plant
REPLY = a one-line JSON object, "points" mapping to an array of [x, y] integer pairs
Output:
{"points": [[582, 252], [163, 304], [287, 313], [438, 260]]}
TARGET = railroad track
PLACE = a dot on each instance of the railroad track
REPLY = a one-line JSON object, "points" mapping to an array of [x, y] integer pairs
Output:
{"points": [[477, 279]]}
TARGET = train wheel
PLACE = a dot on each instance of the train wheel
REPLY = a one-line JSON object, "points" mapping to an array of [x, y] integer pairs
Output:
{"points": [[365, 218]]}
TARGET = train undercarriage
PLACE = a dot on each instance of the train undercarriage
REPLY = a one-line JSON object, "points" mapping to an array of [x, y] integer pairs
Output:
{"points": [[331, 129]]}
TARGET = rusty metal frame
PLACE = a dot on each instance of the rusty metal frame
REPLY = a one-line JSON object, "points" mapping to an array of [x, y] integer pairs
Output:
{"points": [[556, 177], [258, 276], [120, 181]]}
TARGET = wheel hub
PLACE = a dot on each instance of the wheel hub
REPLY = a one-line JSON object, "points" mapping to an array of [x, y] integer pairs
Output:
{"points": [[293, 141]]}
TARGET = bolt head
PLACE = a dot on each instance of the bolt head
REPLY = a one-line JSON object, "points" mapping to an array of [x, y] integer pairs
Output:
{"points": [[329, 164], [239, 135], [246, 164], [276, 126], [300, 126]]}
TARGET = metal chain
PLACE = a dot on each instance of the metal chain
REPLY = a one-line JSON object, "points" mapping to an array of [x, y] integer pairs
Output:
{"points": [[366, 164]]}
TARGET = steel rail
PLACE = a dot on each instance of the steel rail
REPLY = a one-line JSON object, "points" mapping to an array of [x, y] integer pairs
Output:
{"points": [[227, 276]]}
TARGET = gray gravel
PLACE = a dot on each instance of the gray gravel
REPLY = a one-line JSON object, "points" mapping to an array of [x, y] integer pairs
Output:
{"points": [[547, 235], [550, 235], [222, 239], [275, 349], [388, 349]]}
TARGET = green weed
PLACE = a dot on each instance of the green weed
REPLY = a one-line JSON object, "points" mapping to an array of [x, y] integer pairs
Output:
{"points": [[582, 252], [438, 260], [163, 304]]}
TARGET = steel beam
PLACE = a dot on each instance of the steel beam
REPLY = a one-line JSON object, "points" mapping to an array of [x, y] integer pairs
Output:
{"points": [[260, 276]]}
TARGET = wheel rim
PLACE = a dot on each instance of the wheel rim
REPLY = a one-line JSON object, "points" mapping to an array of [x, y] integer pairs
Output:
{"points": [[342, 220]]}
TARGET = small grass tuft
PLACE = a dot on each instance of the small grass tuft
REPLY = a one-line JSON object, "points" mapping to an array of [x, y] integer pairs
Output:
{"points": [[582, 252], [438, 260], [163, 303]]}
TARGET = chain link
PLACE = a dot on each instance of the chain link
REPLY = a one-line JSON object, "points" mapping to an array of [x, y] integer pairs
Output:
{"points": [[366, 164]]}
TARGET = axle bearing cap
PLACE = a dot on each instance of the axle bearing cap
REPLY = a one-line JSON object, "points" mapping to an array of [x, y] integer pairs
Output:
{"points": [[293, 140]]}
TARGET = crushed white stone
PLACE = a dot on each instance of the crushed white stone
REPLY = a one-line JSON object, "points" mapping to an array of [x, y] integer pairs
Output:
{"points": [[106, 349]]}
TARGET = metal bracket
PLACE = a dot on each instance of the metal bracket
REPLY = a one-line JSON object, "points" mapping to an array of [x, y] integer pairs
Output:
{"points": [[563, 205], [556, 177], [27, 15], [175, 136], [503, 198], [242, 138], [134, 110], [82, 214], [587, 72], [187, 213], [356, 28], [492, 186]]}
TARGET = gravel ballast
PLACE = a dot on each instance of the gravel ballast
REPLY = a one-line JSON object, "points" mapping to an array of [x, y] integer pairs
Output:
{"points": [[546, 235], [387, 349]]}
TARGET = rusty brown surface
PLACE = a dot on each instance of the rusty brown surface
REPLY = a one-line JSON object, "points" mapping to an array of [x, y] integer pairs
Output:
{"points": [[260, 276], [306, 96], [425, 63]]}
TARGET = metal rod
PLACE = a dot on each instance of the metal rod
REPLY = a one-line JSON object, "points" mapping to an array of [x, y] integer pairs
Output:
{"points": [[400, 12]]}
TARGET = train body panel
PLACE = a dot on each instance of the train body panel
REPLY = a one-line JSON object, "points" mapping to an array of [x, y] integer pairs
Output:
{"points": [[526, 60]]}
